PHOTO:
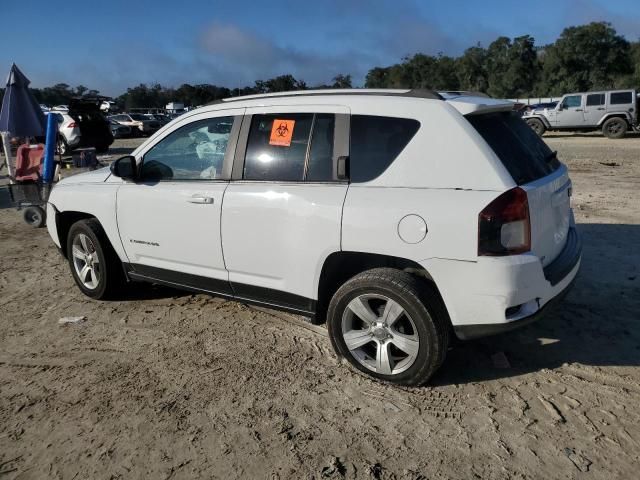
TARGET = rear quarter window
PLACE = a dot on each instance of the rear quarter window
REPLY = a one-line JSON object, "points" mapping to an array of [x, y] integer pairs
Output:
{"points": [[375, 144], [621, 98], [522, 152]]}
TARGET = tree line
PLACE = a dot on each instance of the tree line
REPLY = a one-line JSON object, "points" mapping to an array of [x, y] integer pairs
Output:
{"points": [[586, 57]]}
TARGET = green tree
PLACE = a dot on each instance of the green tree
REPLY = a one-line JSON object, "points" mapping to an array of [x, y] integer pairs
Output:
{"points": [[584, 58], [471, 69], [511, 66]]}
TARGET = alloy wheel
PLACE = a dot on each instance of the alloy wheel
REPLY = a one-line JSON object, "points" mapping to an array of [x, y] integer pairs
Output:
{"points": [[86, 261], [380, 334]]}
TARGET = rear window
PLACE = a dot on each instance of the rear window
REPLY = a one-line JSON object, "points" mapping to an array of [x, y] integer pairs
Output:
{"points": [[525, 156], [621, 98], [376, 142]]}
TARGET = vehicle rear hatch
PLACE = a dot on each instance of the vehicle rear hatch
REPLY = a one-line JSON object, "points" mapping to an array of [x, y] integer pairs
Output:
{"points": [[536, 169], [95, 130]]}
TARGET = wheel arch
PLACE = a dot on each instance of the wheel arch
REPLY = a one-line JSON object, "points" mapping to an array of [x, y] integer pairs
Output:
{"points": [[340, 266], [64, 221], [542, 118], [607, 116]]}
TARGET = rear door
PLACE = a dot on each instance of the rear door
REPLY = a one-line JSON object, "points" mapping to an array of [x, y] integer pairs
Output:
{"points": [[536, 169], [594, 108], [282, 210]]}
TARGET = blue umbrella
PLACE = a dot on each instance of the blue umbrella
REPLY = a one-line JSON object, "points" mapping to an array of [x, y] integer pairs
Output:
{"points": [[21, 114]]}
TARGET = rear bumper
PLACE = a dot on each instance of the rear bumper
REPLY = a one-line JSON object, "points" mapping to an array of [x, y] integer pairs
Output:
{"points": [[497, 294]]}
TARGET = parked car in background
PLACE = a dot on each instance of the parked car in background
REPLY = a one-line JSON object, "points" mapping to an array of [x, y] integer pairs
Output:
{"points": [[614, 112], [83, 125], [119, 130], [163, 119], [399, 217], [60, 108], [138, 122], [44, 108], [68, 132], [108, 106]]}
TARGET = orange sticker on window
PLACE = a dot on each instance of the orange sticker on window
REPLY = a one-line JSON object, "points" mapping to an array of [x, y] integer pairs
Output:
{"points": [[281, 132]]}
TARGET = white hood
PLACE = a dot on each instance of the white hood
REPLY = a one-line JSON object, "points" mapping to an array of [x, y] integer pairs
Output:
{"points": [[95, 176]]}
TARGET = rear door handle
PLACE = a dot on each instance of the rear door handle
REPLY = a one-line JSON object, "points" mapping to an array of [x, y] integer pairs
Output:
{"points": [[578, 109], [200, 199], [600, 108]]}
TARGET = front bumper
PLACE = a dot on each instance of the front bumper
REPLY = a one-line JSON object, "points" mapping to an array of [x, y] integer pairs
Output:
{"points": [[497, 294]]}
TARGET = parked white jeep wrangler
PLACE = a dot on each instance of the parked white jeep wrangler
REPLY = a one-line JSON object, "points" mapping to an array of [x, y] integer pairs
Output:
{"points": [[396, 216], [614, 112]]}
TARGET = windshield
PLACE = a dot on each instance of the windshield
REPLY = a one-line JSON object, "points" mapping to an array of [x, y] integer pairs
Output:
{"points": [[523, 153]]}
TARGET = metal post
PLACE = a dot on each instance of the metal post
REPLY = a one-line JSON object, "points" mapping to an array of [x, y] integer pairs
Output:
{"points": [[6, 139]]}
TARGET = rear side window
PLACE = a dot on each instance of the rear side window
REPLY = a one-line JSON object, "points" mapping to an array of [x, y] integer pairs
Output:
{"points": [[595, 99], [525, 156], [290, 147], [376, 142], [621, 98]]}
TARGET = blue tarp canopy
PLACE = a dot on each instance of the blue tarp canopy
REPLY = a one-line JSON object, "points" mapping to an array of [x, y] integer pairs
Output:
{"points": [[21, 114]]}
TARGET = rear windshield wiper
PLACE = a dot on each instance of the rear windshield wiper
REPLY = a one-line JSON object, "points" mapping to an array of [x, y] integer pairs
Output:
{"points": [[551, 156]]}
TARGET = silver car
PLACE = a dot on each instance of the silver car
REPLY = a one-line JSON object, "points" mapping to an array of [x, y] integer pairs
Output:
{"points": [[614, 112]]}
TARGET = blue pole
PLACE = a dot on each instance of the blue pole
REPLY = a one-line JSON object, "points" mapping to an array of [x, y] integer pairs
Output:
{"points": [[49, 149]]}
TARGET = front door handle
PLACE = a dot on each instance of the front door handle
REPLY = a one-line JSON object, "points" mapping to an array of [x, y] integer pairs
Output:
{"points": [[578, 110], [200, 199]]}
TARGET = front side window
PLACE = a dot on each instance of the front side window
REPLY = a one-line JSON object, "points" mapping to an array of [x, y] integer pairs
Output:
{"points": [[621, 98], [193, 152], [290, 147], [573, 101], [376, 142], [595, 99]]}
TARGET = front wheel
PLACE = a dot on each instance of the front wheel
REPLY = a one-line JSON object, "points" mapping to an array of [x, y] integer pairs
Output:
{"points": [[389, 324], [537, 126], [615, 128], [94, 265]]}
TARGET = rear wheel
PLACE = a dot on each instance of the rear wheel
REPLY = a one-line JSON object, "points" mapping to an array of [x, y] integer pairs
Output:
{"points": [[615, 127], [34, 216], [537, 126], [389, 324], [94, 264]]}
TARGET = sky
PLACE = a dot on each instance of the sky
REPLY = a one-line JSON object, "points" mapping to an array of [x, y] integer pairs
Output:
{"points": [[114, 44]]}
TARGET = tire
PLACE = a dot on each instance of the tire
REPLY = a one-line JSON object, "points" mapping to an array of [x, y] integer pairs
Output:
{"points": [[537, 126], [61, 146], [88, 245], [416, 340], [615, 128], [35, 216]]}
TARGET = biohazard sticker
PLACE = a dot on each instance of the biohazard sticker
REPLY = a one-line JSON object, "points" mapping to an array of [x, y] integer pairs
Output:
{"points": [[281, 132]]}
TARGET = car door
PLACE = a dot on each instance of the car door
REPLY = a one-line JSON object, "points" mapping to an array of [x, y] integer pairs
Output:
{"points": [[169, 219], [282, 211], [594, 108], [570, 112]]}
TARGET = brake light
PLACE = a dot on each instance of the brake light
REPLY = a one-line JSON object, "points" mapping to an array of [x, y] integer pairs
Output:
{"points": [[71, 125], [504, 226]]}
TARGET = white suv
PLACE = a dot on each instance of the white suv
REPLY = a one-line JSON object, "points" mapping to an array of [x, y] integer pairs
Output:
{"points": [[396, 216]]}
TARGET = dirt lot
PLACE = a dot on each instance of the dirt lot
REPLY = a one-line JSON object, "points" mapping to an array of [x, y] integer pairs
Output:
{"points": [[174, 385]]}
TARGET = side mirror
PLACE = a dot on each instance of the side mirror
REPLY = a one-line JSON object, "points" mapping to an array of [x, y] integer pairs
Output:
{"points": [[125, 168]]}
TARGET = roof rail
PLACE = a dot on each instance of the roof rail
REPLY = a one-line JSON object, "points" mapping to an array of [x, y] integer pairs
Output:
{"points": [[416, 93]]}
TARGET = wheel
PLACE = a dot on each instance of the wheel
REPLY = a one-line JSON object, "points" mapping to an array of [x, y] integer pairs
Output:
{"points": [[35, 216], [615, 127], [61, 146], [94, 264], [537, 126], [389, 324]]}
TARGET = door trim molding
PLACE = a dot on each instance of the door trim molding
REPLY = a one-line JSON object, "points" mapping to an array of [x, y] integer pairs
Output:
{"points": [[240, 292]]}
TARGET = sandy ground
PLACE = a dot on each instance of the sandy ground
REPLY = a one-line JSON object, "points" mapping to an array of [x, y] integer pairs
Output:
{"points": [[173, 385]]}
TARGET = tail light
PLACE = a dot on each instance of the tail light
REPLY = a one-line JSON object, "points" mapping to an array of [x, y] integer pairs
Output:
{"points": [[504, 226], [71, 125]]}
